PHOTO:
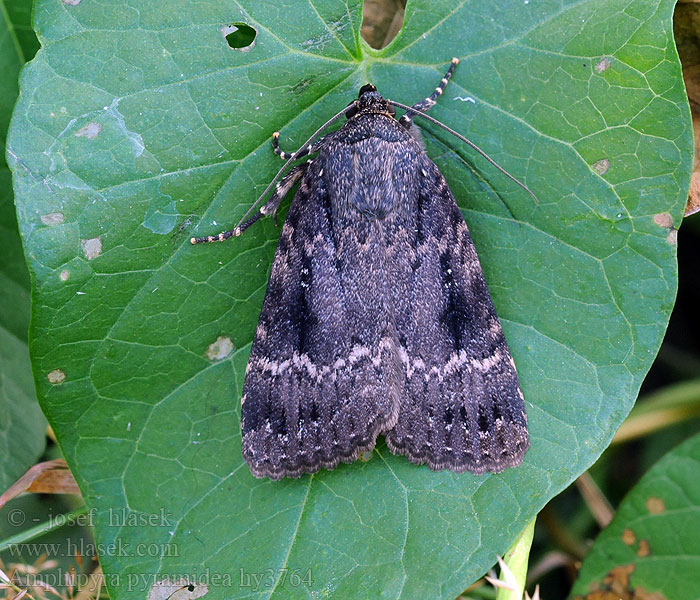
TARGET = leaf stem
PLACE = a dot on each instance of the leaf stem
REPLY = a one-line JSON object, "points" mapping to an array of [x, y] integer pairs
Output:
{"points": [[516, 560], [42, 528]]}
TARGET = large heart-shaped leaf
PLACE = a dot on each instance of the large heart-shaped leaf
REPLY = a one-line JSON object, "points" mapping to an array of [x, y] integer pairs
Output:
{"points": [[650, 548], [139, 126]]}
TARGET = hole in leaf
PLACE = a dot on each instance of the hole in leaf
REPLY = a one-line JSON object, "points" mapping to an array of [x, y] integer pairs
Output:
{"points": [[381, 21], [239, 36]]}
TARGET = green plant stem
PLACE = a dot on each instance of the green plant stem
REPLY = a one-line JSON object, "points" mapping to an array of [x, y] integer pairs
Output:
{"points": [[42, 528], [516, 560]]}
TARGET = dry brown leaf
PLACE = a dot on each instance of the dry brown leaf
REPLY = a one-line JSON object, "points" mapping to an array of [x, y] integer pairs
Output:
{"points": [[693, 205], [50, 477], [686, 26], [93, 587]]}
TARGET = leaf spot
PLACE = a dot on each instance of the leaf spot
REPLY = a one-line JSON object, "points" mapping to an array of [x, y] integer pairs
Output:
{"points": [[664, 220], [64, 275], [603, 65], [655, 505], [220, 349], [616, 585], [177, 589], [644, 549], [619, 577], [56, 376], [90, 131], [366, 456], [72, 2], [55, 218], [628, 537], [239, 36], [601, 166], [92, 248]]}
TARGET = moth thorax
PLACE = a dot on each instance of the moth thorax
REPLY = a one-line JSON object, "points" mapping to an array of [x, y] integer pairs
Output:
{"points": [[372, 102]]}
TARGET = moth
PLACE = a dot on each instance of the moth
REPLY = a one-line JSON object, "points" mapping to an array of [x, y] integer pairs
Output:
{"points": [[377, 318]]}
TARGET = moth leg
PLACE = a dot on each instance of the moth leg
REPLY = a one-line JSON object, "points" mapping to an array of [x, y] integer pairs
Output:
{"points": [[424, 105], [270, 207], [310, 149], [281, 189]]}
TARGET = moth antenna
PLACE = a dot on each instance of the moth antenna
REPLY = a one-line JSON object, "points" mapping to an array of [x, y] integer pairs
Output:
{"points": [[238, 228], [468, 142]]}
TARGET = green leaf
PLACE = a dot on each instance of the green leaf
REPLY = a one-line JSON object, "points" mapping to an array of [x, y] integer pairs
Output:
{"points": [[139, 126], [22, 425], [652, 541], [19, 14]]}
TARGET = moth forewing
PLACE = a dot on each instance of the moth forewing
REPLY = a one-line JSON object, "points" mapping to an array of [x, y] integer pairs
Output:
{"points": [[377, 318]]}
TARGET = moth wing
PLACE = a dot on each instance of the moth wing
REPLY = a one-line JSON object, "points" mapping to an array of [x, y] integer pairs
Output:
{"points": [[462, 408], [322, 380]]}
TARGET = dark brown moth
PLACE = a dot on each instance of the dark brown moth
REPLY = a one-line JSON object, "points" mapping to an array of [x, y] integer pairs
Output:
{"points": [[377, 318]]}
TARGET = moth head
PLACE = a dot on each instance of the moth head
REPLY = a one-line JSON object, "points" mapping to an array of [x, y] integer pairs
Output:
{"points": [[369, 100]]}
